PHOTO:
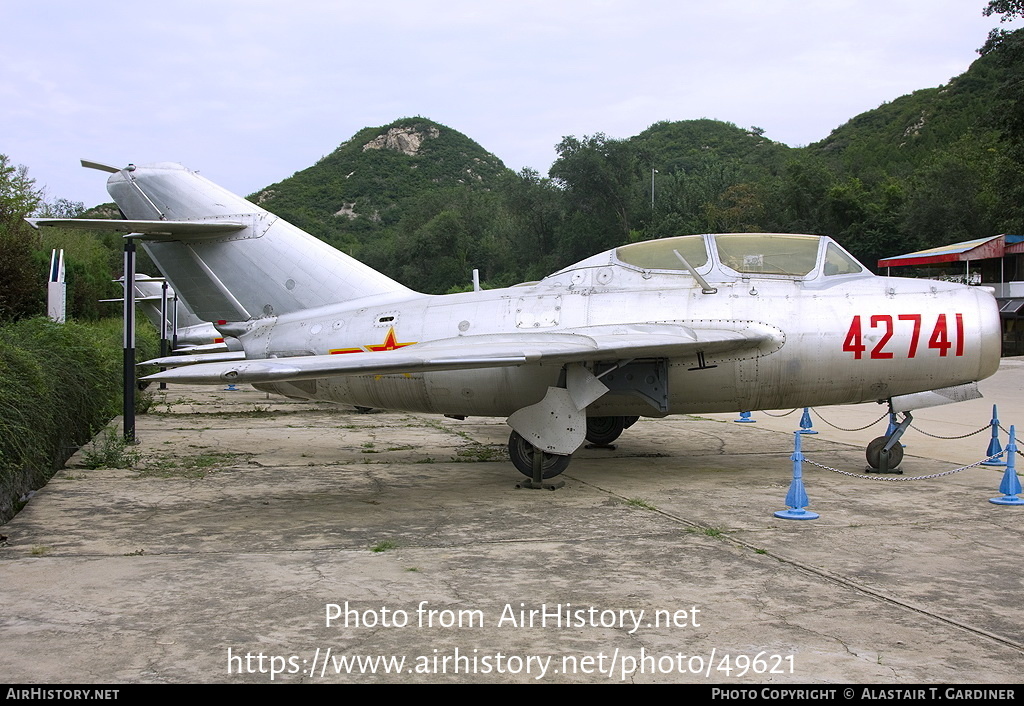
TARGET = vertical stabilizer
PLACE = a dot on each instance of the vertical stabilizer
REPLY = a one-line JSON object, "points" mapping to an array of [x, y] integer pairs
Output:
{"points": [[267, 268]]}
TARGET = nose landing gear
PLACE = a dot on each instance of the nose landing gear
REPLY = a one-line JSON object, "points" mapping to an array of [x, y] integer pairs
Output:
{"points": [[885, 453]]}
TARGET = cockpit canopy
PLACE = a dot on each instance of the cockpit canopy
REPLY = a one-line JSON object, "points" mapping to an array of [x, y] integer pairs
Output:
{"points": [[726, 256]]}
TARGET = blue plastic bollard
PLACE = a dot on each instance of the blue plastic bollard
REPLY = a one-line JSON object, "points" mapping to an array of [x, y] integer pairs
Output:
{"points": [[1010, 485], [994, 448], [796, 499], [893, 426], [745, 419], [805, 423]]}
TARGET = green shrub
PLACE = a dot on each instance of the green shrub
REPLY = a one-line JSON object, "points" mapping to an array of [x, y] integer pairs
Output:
{"points": [[59, 383]]}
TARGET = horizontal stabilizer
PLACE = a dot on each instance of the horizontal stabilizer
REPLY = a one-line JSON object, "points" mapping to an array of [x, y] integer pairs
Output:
{"points": [[89, 164], [203, 348], [146, 230], [137, 300], [174, 361], [588, 344]]}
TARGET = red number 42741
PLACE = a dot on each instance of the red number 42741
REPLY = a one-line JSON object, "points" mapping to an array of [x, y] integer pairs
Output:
{"points": [[941, 338]]}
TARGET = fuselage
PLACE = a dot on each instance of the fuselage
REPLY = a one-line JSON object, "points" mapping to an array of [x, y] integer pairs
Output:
{"points": [[841, 334]]}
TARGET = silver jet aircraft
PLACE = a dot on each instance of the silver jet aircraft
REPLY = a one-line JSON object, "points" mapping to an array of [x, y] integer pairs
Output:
{"points": [[190, 333], [690, 324]]}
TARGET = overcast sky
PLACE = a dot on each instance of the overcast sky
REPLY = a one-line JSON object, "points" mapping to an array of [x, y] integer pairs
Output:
{"points": [[250, 91]]}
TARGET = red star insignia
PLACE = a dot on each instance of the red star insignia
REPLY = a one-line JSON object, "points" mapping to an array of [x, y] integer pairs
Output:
{"points": [[390, 343]]}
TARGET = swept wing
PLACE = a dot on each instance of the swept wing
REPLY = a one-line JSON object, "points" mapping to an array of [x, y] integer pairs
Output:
{"points": [[586, 344]]}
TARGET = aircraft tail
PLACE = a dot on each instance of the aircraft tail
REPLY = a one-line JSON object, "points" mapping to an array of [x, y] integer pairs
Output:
{"points": [[229, 259]]}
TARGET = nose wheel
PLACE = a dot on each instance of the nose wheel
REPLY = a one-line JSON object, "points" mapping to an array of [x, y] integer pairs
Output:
{"points": [[885, 454], [536, 465], [881, 460]]}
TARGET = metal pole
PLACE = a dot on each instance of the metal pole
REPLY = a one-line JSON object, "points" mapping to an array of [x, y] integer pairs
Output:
{"points": [[128, 376], [163, 327], [174, 323]]}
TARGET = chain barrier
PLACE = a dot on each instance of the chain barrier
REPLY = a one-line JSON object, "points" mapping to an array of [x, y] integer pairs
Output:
{"points": [[779, 416], [834, 426], [962, 436], [901, 478], [1007, 432]]}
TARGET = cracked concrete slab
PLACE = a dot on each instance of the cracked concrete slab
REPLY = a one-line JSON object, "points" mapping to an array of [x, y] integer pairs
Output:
{"points": [[217, 558]]}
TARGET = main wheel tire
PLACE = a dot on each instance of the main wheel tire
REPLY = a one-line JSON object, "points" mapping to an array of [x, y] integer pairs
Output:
{"points": [[874, 454], [604, 430], [521, 452]]}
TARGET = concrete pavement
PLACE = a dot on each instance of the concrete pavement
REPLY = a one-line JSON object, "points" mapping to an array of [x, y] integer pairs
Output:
{"points": [[249, 521]]}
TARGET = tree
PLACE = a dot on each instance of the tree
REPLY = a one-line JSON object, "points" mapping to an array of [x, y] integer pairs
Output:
{"points": [[1010, 10], [604, 181], [22, 291], [18, 193]]}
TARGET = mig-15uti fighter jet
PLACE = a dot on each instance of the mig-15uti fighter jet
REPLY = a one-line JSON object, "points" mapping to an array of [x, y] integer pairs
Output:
{"points": [[684, 325]]}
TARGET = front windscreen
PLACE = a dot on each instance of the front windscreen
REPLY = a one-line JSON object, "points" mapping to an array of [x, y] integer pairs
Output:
{"points": [[659, 255], [838, 262], [768, 253]]}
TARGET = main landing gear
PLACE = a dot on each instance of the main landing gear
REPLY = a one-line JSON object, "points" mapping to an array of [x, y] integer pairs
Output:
{"points": [[540, 466], [536, 465], [885, 454], [602, 431]]}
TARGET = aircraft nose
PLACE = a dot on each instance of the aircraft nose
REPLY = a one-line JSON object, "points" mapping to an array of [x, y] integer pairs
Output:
{"points": [[990, 332]]}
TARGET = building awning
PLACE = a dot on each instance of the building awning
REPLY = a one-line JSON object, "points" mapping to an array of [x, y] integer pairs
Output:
{"points": [[980, 249], [1010, 307]]}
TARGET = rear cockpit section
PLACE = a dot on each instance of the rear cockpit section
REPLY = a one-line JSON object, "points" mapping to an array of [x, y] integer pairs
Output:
{"points": [[726, 257]]}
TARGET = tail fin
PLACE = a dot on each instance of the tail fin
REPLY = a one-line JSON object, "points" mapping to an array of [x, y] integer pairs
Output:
{"points": [[148, 296], [263, 266]]}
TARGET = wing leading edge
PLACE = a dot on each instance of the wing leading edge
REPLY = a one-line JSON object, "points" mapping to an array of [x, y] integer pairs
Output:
{"points": [[588, 344], [148, 230]]}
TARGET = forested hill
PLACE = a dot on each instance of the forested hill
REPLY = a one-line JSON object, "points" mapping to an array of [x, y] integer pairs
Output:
{"points": [[372, 175], [893, 138], [426, 204]]}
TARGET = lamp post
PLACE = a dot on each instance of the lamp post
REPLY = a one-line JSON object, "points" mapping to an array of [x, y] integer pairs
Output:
{"points": [[128, 377]]}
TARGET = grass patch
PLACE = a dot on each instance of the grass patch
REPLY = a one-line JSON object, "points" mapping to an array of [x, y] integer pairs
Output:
{"points": [[110, 451], [198, 466], [640, 503], [480, 453], [383, 546]]}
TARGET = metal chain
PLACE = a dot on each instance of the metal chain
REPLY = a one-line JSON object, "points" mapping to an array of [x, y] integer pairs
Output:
{"points": [[818, 415], [962, 436], [1004, 430], [784, 414], [901, 478]]}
